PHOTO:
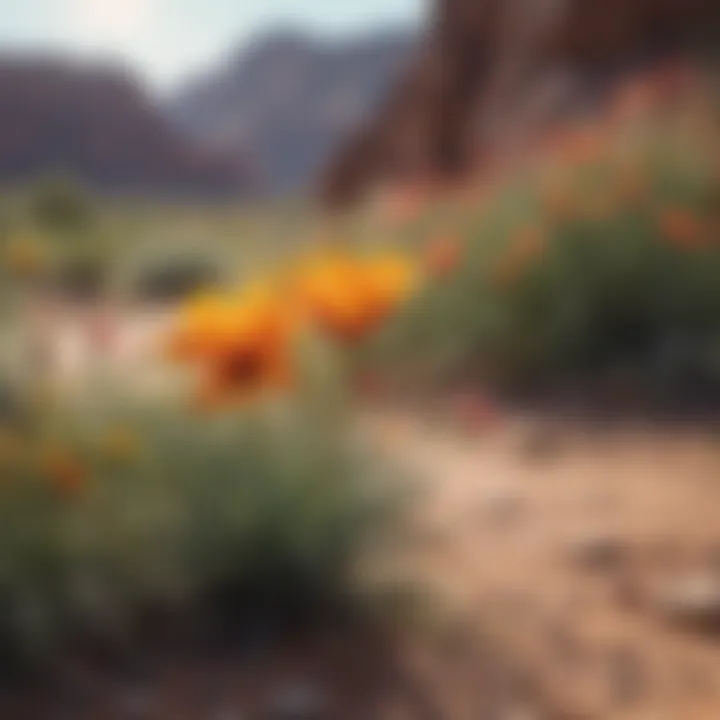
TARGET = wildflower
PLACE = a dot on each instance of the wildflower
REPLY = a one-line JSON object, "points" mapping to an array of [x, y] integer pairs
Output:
{"points": [[244, 369], [443, 256], [242, 344], [682, 229], [64, 471], [201, 324], [349, 298]]}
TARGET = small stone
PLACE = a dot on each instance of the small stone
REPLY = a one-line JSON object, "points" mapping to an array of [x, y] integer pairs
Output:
{"points": [[501, 506], [518, 712], [301, 701], [598, 551], [694, 600], [540, 444], [136, 704], [626, 676], [228, 714]]}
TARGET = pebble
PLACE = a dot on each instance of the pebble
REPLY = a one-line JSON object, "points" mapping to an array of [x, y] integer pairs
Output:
{"points": [[598, 551], [540, 444], [626, 676], [136, 704], [299, 701], [502, 507], [229, 714], [694, 599]]}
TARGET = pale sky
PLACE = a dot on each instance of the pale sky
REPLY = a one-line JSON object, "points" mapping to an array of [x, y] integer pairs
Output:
{"points": [[169, 39]]}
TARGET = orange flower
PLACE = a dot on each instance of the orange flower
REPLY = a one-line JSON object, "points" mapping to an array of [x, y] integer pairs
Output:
{"points": [[350, 298], [200, 328], [527, 244], [241, 344], [242, 371], [443, 256], [682, 229], [64, 471]]}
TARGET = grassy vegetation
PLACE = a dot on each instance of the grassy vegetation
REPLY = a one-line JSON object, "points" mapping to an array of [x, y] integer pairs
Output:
{"points": [[595, 266], [598, 265], [111, 513], [115, 511]]}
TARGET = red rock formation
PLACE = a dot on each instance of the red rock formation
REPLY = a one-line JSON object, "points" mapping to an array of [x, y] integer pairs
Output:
{"points": [[493, 71]]}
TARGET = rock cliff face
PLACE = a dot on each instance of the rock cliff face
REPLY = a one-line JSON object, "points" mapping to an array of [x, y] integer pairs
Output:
{"points": [[490, 72]]}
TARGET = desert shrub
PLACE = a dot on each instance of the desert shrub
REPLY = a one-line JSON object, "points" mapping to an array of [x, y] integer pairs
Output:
{"points": [[59, 205], [109, 516], [586, 270], [173, 278], [80, 276]]}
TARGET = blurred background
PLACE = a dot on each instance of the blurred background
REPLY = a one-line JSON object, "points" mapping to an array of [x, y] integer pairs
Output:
{"points": [[360, 359]]}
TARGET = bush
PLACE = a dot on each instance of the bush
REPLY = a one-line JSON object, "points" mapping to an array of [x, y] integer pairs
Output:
{"points": [[174, 278], [81, 277], [264, 511], [603, 269], [58, 205]]}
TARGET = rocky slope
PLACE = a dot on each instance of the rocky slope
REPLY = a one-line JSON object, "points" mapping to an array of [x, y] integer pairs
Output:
{"points": [[491, 72]]}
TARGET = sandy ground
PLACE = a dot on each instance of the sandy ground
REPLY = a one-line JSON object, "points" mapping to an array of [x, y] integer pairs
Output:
{"points": [[591, 557]]}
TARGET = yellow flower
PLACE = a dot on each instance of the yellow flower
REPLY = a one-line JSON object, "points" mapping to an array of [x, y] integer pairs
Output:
{"points": [[201, 325], [241, 343], [349, 298]]}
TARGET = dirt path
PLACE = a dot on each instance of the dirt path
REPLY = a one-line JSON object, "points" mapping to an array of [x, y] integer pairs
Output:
{"points": [[591, 558]]}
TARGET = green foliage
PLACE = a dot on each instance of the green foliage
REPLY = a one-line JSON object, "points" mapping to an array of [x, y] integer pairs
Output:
{"points": [[264, 511], [173, 278], [81, 276], [620, 280], [57, 205]]}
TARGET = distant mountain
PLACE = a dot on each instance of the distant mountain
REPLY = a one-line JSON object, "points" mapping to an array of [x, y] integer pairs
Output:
{"points": [[290, 100], [96, 123]]}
